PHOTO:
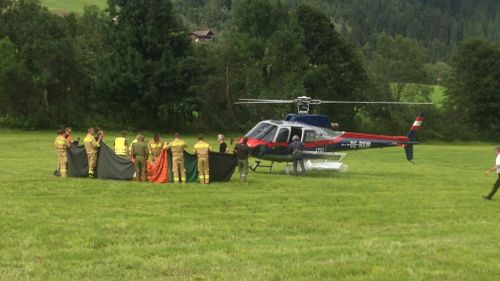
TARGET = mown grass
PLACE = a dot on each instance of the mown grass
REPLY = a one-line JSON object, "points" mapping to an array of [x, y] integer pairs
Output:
{"points": [[66, 6], [437, 95], [412, 92], [385, 219]]}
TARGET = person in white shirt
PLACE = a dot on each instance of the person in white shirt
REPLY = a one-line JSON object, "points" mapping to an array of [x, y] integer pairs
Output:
{"points": [[493, 169]]}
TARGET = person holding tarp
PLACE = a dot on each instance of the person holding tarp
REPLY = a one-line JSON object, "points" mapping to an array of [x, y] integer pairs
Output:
{"points": [[222, 143], [91, 145], [121, 145], [202, 149], [177, 148], [68, 133], [62, 144], [155, 146], [140, 153], [242, 151]]}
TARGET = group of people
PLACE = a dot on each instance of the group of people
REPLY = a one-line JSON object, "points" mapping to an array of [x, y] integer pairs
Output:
{"points": [[140, 152]]}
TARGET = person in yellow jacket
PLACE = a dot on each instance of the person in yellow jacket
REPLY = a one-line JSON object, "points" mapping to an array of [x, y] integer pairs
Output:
{"points": [[177, 148], [121, 145], [68, 133], [155, 146], [61, 144], [91, 145], [202, 148]]}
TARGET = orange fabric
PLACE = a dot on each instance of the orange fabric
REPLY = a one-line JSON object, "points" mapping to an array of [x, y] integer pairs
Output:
{"points": [[158, 172]]}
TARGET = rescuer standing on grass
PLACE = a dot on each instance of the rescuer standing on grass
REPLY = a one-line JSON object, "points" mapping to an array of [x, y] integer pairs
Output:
{"points": [[121, 145], [140, 153], [222, 143], [201, 148], [155, 147], [242, 151], [91, 145], [177, 147], [132, 143], [297, 150], [62, 144], [68, 134], [493, 169]]}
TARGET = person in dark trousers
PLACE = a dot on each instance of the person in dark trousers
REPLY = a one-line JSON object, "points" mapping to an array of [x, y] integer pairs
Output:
{"points": [[493, 169], [297, 150], [140, 153], [242, 151], [222, 143]]}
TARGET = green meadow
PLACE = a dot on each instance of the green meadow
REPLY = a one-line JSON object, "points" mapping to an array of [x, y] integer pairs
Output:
{"points": [[66, 6], [384, 219]]}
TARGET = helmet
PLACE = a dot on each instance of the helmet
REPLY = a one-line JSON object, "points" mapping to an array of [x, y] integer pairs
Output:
{"points": [[295, 138]]}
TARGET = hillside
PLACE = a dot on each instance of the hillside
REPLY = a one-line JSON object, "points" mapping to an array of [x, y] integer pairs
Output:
{"points": [[438, 26], [61, 6]]}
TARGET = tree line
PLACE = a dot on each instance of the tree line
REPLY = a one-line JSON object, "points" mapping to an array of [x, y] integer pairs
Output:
{"points": [[134, 66]]}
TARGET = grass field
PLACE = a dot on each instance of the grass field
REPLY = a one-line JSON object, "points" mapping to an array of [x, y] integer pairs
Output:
{"points": [[437, 93], [385, 219], [65, 6]]}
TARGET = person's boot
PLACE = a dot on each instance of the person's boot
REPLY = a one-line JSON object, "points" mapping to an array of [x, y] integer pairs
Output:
{"points": [[486, 197]]}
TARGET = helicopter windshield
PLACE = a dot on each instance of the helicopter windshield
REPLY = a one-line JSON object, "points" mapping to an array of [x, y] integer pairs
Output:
{"points": [[263, 131]]}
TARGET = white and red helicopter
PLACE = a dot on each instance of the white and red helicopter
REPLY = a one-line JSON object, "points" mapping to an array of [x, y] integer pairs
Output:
{"points": [[269, 139]]}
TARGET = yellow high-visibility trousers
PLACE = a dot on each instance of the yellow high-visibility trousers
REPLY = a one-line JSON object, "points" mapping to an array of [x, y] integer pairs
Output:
{"points": [[203, 170], [178, 171]]}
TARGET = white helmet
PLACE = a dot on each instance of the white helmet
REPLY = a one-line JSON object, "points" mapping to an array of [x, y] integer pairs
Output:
{"points": [[295, 138]]}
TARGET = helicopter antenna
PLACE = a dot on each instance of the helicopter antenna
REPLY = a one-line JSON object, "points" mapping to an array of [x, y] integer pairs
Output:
{"points": [[304, 103]]}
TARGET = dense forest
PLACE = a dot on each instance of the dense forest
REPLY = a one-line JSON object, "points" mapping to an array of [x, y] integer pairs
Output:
{"points": [[439, 26], [134, 64]]}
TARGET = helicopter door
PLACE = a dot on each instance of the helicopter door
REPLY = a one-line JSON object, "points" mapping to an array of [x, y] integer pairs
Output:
{"points": [[296, 131]]}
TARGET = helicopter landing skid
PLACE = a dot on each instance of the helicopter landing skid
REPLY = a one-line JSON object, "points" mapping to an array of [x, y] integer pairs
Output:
{"points": [[330, 165], [258, 164]]}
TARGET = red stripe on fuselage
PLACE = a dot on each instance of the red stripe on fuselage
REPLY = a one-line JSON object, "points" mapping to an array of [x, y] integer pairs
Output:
{"points": [[374, 137], [252, 143]]}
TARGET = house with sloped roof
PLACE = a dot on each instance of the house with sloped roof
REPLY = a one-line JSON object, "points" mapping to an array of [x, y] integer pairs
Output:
{"points": [[202, 35]]}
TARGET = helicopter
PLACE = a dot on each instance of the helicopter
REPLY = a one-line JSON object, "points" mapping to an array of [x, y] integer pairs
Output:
{"points": [[269, 139]]}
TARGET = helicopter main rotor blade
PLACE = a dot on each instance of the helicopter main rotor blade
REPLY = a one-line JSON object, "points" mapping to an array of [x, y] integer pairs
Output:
{"points": [[265, 100], [377, 102], [262, 102]]}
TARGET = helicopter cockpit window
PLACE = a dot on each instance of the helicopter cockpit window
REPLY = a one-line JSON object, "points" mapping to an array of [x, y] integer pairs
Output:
{"points": [[283, 135], [309, 136], [258, 130], [269, 135], [263, 131]]}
